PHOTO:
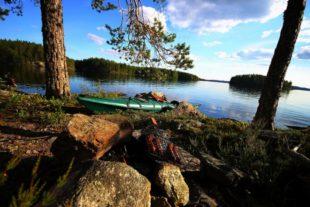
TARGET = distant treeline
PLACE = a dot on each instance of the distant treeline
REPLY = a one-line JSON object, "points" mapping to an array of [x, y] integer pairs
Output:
{"points": [[253, 81], [25, 62], [23, 54], [105, 68]]}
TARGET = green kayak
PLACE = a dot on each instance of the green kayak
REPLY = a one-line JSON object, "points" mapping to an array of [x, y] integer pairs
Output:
{"points": [[111, 104]]}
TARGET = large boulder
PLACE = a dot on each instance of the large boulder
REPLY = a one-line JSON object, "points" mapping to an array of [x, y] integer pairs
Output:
{"points": [[108, 184], [90, 137], [171, 182]]}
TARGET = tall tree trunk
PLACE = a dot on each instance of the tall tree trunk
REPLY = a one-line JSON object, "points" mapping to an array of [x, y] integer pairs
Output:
{"points": [[268, 102], [57, 78]]}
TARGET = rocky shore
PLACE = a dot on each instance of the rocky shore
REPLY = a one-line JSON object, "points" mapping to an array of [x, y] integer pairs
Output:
{"points": [[124, 159]]}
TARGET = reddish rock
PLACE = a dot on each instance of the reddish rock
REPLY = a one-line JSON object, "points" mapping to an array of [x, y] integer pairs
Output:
{"points": [[90, 137]]}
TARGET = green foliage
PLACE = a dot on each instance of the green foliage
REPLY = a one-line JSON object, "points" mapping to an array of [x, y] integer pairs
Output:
{"points": [[100, 92], [49, 197], [64, 178], [260, 159], [36, 192], [208, 133], [3, 13], [103, 94], [101, 5], [181, 57], [47, 112], [97, 67], [37, 108], [253, 81], [22, 55], [20, 52], [15, 6], [27, 197], [133, 41], [231, 141], [144, 41], [263, 159], [9, 166], [105, 5]]}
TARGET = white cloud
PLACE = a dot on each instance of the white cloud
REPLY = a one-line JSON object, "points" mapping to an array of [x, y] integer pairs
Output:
{"points": [[248, 54], [304, 35], [150, 14], [225, 55], [110, 52], [221, 15], [304, 39], [212, 43], [195, 58], [267, 33], [95, 38], [224, 69], [256, 54], [100, 28], [304, 53]]}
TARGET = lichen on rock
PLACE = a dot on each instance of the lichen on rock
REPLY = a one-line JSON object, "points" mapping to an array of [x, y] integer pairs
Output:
{"points": [[112, 184], [170, 180]]}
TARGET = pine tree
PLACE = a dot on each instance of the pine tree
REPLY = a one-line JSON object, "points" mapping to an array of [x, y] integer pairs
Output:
{"points": [[57, 77], [268, 102]]}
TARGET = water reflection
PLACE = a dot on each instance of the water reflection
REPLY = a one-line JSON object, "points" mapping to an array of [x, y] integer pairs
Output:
{"points": [[215, 99], [251, 92], [28, 75], [241, 91]]}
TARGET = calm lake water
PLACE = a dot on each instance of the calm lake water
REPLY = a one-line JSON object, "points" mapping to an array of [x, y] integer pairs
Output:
{"points": [[216, 100]]}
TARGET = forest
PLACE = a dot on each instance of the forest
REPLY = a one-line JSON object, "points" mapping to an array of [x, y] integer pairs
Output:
{"points": [[175, 145], [17, 54], [99, 67], [254, 81]]}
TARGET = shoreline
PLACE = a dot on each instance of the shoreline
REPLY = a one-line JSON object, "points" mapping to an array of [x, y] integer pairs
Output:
{"points": [[33, 126], [299, 88]]}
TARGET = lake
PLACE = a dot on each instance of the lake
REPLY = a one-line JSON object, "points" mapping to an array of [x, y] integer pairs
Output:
{"points": [[216, 100]]}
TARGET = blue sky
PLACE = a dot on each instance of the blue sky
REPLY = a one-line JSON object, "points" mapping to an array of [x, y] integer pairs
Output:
{"points": [[226, 37]]}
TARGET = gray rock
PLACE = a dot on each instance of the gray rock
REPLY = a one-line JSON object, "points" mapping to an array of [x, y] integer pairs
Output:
{"points": [[107, 184], [170, 180]]}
